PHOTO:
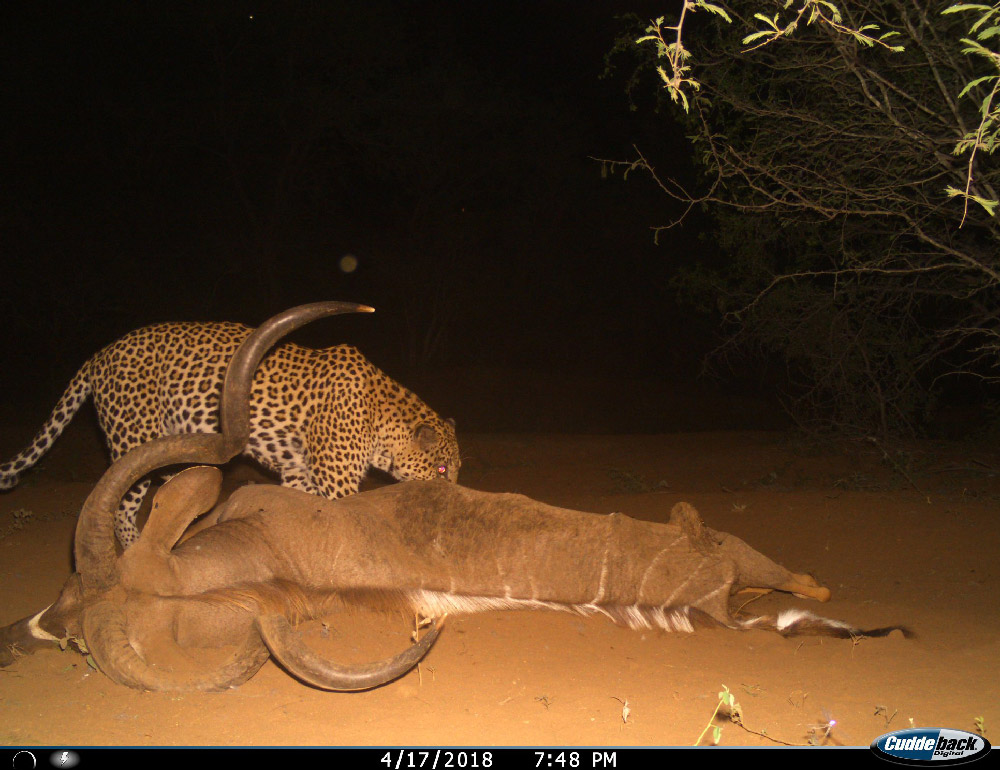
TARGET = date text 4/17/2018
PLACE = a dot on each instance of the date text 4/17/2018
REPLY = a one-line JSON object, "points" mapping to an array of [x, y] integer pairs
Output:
{"points": [[487, 759]]}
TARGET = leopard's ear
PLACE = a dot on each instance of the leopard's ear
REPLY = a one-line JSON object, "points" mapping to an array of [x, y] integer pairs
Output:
{"points": [[451, 422], [425, 436]]}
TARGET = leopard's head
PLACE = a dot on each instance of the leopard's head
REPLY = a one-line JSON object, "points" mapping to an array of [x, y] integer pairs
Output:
{"points": [[429, 452]]}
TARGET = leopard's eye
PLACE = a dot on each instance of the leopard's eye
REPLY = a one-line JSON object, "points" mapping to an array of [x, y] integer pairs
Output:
{"points": [[442, 469]]}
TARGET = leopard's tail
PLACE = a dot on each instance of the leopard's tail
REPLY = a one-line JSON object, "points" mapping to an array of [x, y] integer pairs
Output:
{"points": [[69, 404]]}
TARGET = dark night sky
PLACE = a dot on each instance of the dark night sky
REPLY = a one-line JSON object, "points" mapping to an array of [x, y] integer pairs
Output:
{"points": [[214, 161]]}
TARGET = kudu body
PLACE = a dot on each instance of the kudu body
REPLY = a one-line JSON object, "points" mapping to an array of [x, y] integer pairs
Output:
{"points": [[277, 556]]}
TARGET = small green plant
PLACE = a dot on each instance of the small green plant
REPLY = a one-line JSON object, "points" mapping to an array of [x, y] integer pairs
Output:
{"points": [[727, 699], [81, 645], [735, 713], [76, 641]]}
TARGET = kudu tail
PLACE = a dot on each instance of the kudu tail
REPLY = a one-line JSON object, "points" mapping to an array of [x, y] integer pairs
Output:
{"points": [[805, 623]]}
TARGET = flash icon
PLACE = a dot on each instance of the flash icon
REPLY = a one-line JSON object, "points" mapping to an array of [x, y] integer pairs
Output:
{"points": [[64, 759]]}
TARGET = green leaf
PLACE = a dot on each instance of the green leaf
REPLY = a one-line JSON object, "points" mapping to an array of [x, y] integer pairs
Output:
{"points": [[678, 95], [987, 203], [757, 36], [763, 18], [717, 10], [966, 7], [982, 20], [969, 86]]}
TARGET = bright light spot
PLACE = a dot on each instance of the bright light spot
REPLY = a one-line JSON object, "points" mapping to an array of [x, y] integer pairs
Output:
{"points": [[348, 263]]}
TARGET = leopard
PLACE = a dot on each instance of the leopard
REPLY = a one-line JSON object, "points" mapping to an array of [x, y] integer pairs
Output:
{"points": [[319, 418]]}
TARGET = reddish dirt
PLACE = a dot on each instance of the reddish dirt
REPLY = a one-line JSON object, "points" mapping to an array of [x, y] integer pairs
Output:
{"points": [[915, 544]]}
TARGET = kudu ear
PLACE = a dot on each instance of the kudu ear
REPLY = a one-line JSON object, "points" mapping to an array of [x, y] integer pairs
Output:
{"points": [[177, 503]]}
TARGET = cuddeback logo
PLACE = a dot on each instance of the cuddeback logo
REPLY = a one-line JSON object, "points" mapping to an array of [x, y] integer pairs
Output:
{"points": [[940, 746]]}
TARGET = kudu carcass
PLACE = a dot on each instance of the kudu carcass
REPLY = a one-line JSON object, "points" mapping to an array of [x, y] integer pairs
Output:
{"points": [[276, 556]]}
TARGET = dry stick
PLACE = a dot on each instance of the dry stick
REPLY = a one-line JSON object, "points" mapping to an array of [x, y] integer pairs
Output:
{"points": [[766, 736], [898, 467]]}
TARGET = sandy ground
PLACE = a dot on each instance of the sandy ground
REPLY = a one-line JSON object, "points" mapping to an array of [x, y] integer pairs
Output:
{"points": [[914, 544]]}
